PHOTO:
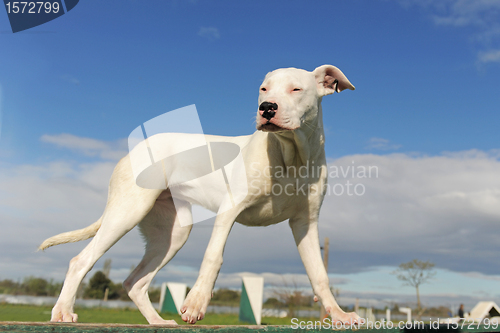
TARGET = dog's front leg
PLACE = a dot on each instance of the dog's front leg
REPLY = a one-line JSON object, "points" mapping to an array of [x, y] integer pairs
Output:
{"points": [[196, 303], [306, 237]]}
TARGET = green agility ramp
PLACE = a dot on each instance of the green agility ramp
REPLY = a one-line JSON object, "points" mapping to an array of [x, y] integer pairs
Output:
{"points": [[172, 296], [251, 299]]}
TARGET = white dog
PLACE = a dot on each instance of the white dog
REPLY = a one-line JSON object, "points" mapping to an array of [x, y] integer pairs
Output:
{"points": [[289, 137]]}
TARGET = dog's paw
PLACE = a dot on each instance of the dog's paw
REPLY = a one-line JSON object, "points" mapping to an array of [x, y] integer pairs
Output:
{"points": [[346, 318], [63, 316], [195, 306]]}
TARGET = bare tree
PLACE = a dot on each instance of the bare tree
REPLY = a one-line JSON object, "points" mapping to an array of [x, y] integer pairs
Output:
{"points": [[290, 295], [414, 273]]}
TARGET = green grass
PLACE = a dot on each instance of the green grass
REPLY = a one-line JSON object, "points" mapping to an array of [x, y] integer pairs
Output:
{"points": [[14, 312]]}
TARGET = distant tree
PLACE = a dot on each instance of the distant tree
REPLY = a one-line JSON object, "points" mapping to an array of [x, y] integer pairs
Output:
{"points": [[106, 268], [30, 286], [391, 306], [274, 303], [97, 286], [228, 296], [415, 273], [35, 286], [9, 287], [439, 312], [54, 288]]}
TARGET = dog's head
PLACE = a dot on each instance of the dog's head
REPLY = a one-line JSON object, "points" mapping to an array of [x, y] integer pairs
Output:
{"points": [[289, 97]]}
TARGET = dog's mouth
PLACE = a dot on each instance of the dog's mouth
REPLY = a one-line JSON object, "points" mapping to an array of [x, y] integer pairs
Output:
{"points": [[270, 127]]}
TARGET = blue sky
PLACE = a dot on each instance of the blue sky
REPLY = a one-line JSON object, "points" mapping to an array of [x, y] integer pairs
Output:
{"points": [[425, 110], [419, 84]]}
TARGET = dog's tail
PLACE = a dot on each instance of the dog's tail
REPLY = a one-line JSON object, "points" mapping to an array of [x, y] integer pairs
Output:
{"points": [[72, 236]]}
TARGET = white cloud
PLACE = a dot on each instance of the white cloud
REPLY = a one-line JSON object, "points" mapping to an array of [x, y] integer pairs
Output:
{"points": [[477, 275], [490, 56], [70, 79], [441, 208], [89, 147], [482, 15], [381, 144], [210, 33], [39, 201], [459, 12]]}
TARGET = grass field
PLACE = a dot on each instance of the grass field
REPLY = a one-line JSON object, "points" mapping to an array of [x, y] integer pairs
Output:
{"points": [[10, 312]]}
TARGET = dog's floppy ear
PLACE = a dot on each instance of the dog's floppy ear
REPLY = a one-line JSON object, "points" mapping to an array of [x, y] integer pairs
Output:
{"points": [[330, 79]]}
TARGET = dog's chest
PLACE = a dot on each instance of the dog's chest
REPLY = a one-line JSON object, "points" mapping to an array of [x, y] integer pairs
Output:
{"points": [[277, 199]]}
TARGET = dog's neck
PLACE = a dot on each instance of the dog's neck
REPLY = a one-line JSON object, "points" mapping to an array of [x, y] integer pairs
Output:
{"points": [[303, 144]]}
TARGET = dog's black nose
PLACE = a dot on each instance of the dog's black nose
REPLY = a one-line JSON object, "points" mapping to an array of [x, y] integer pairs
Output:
{"points": [[269, 109]]}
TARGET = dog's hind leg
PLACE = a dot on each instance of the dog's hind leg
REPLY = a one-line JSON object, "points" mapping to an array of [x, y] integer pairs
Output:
{"points": [[164, 237], [127, 205]]}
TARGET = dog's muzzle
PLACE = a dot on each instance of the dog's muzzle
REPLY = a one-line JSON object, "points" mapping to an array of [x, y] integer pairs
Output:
{"points": [[269, 109]]}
